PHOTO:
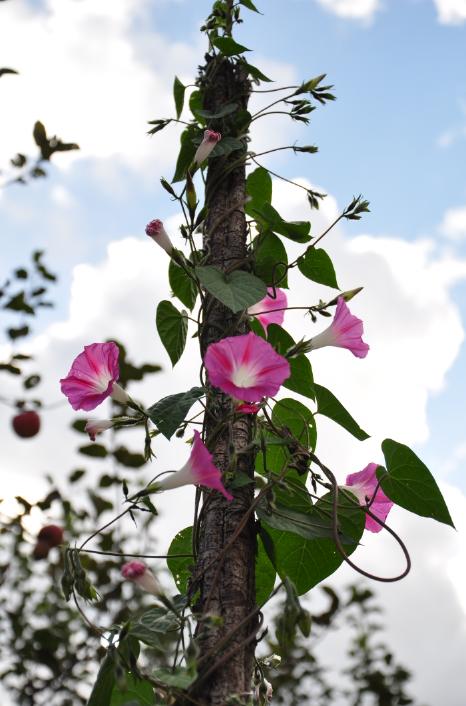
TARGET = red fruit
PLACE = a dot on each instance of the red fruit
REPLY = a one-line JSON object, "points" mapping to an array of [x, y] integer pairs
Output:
{"points": [[41, 550], [26, 424], [52, 535]]}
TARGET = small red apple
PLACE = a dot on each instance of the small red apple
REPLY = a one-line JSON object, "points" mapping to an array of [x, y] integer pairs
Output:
{"points": [[52, 534], [26, 424]]}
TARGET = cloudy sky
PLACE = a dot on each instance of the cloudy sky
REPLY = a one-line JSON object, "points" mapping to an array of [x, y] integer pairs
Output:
{"points": [[95, 71]]}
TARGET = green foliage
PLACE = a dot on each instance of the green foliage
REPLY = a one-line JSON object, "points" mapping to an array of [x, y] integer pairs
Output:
{"points": [[301, 379], [316, 265], [178, 95], [329, 406], [180, 567], [269, 218], [136, 693], [187, 152], [271, 260], [169, 412], [307, 562], [228, 46], [259, 187], [237, 290], [102, 690], [265, 574], [410, 484], [172, 327]]}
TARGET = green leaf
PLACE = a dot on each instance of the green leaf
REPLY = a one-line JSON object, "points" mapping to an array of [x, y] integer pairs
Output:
{"points": [[102, 689], [226, 146], [195, 106], [187, 152], [249, 4], [178, 95], [410, 484], [182, 286], [307, 562], [93, 450], [301, 379], [172, 327], [271, 260], [129, 459], [180, 568], [237, 290], [329, 406], [259, 186], [228, 46], [316, 265], [169, 412], [179, 677], [268, 217], [265, 575], [256, 74], [137, 693], [152, 626], [299, 421], [227, 109]]}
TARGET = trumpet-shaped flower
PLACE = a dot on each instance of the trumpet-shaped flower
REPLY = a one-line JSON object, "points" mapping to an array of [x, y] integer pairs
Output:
{"points": [[97, 426], [207, 145], [92, 377], [345, 331], [246, 367], [155, 230], [270, 309], [198, 470], [363, 485], [140, 574]]}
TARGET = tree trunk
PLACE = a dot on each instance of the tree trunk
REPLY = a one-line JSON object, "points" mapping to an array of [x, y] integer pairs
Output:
{"points": [[225, 571]]}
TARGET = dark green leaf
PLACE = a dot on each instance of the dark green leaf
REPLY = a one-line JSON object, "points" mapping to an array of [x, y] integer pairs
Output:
{"points": [[259, 186], [169, 412], [153, 625], [94, 450], [19, 332], [249, 4], [183, 286], [138, 692], [18, 303], [180, 568], [271, 260], [172, 327], [180, 677], [329, 406], [256, 74], [268, 217], [221, 113], [410, 484], [316, 265], [237, 290], [301, 379], [103, 687], [178, 94], [31, 381], [226, 146], [127, 458], [186, 154], [4, 71], [265, 575], [307, 562], [228, 46]]}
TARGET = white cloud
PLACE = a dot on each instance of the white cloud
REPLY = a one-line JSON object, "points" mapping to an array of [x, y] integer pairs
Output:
{"points": [[352, 9], [451, 12], [88, 77], [453, 225]]}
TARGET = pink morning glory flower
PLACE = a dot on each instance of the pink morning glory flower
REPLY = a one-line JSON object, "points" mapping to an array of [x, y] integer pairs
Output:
{"points": [[363, 485], [207, 145], [139, 573], [266, 312], [246, 367], [92, 377], [97, 426], [345, 331], [198, 470], [155, 230]]}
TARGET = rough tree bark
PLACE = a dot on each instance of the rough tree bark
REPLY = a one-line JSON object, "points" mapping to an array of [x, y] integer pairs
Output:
{"points": [[225, 571]]}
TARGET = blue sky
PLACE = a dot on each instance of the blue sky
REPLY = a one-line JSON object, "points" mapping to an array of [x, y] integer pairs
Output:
{"points": [[95, 72]]}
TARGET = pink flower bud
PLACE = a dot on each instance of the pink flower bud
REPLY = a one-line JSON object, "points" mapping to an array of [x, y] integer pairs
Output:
{"points": [[364, 485], [207, 145], [159, 235], [97, 426], [139, 573]]}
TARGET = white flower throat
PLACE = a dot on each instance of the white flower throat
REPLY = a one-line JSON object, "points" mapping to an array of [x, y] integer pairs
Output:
{"points": [[244, 376]]}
